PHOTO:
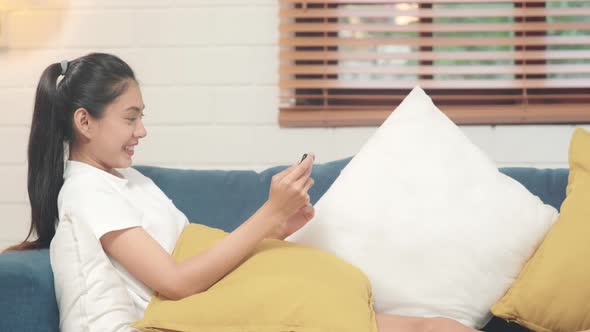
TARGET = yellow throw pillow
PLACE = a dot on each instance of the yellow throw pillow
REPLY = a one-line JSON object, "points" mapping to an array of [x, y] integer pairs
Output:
{"points": [[282, 286], [552, 292]]}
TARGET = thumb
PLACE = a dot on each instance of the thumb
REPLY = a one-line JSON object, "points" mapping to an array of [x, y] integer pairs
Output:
{"points": [[308, 211]]}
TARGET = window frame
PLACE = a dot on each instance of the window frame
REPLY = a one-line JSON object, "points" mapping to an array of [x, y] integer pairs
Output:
{"points": [[557, 109]]}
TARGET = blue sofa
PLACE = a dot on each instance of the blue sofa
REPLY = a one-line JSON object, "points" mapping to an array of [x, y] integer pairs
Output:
{"points": [[217, 198]]}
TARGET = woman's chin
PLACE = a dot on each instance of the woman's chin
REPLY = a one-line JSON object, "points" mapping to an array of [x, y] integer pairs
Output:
{"points": [[127, 161]]}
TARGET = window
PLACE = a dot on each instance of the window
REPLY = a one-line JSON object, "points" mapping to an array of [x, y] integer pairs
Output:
{"points": [[349, 63]]}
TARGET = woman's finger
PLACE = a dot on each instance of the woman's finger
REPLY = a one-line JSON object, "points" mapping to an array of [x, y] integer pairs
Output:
{"points": [[300, 183], [310, 181], [300, 169], [279, 176]]}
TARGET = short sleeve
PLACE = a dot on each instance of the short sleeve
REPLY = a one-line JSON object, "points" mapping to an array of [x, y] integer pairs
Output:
{"points": [[103, 211]]}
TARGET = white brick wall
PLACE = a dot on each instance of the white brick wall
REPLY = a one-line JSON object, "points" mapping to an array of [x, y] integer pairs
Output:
{"points": [[208, 70]]}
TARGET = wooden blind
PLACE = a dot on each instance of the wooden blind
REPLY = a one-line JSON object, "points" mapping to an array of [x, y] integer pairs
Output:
{"points": [[350, 63]]}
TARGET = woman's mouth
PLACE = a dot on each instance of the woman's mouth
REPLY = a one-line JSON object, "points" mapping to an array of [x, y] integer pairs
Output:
{"points": [[130, 150]]}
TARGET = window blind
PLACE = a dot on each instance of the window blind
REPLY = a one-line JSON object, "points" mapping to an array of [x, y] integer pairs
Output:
{"points": [[350, 63]]}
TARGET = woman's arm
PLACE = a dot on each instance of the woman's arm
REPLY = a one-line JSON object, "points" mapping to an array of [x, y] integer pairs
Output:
{"points": [[145, 259]]}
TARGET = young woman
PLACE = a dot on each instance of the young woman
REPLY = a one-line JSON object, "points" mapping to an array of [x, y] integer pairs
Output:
{"points": [[90, 110]]}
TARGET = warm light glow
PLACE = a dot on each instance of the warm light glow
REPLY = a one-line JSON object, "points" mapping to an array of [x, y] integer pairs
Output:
{"points": [[18, 28], [356, 20], [24, 4], [405, 20], [2, 26]]}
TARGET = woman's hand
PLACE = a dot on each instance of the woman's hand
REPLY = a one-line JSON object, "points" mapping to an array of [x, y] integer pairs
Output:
{"points": [[288, 198], [294, 223]]}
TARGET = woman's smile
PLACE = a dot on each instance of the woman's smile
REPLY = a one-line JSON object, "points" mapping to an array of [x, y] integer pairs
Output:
{"points": [[130, 149]]}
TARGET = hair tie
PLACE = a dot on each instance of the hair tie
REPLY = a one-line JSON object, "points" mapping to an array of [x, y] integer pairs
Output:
{"points": [[64, 67]]}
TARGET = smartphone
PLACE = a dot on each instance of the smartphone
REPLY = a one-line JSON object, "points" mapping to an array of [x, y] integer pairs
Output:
{"points": [[303, 158]]}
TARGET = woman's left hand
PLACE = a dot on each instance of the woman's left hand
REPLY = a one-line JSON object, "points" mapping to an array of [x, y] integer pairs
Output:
{"points": [[295, 222]]}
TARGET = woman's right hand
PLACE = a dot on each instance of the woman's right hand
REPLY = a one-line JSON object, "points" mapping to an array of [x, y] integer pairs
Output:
{"points": [[288, 188]]}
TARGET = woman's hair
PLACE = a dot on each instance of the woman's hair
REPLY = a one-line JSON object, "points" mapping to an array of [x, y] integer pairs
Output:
{"points": [[91, 82]]}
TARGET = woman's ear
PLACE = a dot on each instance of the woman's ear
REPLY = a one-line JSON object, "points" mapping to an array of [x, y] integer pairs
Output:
{"points": [[83, 123]]}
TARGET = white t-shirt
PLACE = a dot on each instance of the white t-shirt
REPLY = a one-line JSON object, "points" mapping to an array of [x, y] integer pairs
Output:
{"points": [[107, 203]]}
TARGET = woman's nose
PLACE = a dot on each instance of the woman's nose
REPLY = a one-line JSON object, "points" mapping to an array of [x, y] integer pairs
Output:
{"points": [[140, 131]]}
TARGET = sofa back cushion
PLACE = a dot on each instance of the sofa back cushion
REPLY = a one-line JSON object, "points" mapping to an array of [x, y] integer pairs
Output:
{"points": [[27, 297], [225, 199]]}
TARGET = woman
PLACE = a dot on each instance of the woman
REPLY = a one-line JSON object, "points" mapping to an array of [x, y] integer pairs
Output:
{"points": [[93, 107]]}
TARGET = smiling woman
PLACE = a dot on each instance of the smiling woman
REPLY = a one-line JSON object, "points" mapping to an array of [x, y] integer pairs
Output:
{"points": [[78, 104], [93, 108], [108, 142]]}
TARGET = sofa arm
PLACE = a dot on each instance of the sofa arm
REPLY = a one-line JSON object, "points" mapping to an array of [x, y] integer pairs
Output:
{"points": [[27, 295]]}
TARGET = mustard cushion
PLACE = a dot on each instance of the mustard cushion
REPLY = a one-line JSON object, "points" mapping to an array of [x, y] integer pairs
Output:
{"points": [[552, 292], [282, 286]]}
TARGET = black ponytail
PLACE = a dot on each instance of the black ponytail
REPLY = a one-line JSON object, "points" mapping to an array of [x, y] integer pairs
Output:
{"points": [[91, 82]]}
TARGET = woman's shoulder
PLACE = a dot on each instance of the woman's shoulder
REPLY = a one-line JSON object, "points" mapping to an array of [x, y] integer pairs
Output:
{"points": [[135, 177], [79, 176], [80, 186], [88, 185], [131, 173]]}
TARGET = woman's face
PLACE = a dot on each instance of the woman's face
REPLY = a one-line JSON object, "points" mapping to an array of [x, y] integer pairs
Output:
{"points": [[114, 136]]}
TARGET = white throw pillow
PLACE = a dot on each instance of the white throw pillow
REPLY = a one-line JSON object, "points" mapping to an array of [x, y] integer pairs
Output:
{"points": [[90, 294], [429, 218]]}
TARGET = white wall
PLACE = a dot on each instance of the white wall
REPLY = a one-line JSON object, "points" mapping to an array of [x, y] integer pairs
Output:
{"points": [[209, 74]]}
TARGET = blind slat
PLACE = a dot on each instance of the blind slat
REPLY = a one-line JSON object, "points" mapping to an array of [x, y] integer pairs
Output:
{"points": [[426, 2], [438, 41], [516, 95], [437, 70], [566, 113], [435, 27], [431, 56], [434, 13], [436, 84]]}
